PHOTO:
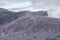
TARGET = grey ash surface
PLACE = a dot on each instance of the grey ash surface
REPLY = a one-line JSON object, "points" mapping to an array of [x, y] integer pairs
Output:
{"points": [[31, 27]]}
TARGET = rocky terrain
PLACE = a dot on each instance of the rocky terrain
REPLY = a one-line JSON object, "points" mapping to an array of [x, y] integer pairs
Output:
{"points": [[8, 16], [28, 25]]}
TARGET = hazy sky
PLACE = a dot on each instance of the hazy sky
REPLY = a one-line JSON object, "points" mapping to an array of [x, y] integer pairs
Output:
{"points": [[27, 4], [15, 4]]}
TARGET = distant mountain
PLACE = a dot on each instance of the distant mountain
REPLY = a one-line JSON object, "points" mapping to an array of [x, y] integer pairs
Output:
{"points": [[7, 16]]}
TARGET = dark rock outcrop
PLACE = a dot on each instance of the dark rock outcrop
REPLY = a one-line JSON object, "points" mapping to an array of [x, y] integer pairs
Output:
{"points": [[41, 13]]}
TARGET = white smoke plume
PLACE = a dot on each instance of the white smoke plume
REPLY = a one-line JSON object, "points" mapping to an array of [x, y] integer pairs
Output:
{"points": [[54, 12], [53, 7]]}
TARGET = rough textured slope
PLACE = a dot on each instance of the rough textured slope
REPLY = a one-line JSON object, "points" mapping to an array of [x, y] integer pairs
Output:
{"points": [[29, 27]]}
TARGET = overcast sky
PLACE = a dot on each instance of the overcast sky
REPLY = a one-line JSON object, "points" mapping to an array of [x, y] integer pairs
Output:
{"points": [[27, 4]]}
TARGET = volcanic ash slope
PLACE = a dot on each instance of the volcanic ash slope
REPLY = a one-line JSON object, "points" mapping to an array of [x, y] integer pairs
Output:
{"points": [[31, 27]]}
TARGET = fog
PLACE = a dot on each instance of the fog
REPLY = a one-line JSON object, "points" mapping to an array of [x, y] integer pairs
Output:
{"points": [[15, 5], [52, 6]]}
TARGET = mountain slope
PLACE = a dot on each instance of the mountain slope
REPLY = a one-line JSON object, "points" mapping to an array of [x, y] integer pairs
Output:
{"points": [[29, 27], [7, 16]]}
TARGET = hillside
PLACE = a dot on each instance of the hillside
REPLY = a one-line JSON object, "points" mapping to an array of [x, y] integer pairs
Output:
{"points": [[7, 16], [31, 28]]}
